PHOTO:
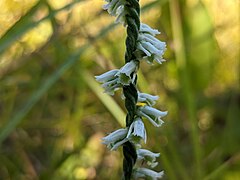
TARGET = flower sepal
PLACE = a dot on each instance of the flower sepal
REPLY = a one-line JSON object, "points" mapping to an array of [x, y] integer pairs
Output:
{"points": [[147, 174]]}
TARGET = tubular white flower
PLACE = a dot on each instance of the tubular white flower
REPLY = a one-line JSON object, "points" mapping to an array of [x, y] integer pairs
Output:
{"points": [[121, 16], [137, 130], [148, 156], [144, 28], [110, 81], [147, 98], [152, 114], [107, 76], [150, 47], [114, 79], [116, 8], [129, 68], [115, 139], [147, 173], [126, 71]]}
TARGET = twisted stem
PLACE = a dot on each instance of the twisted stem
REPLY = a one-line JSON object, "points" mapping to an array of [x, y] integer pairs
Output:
{"points": [[130, 91]]}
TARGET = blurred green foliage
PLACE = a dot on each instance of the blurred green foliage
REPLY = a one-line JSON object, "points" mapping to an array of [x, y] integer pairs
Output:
{"points": [[53, 114]]}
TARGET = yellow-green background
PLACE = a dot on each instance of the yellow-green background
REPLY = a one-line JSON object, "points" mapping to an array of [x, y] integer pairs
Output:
{"points": [[53, 113]]}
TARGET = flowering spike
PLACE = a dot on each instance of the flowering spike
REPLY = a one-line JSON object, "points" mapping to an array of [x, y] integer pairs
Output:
{"points": [[140, 44]]}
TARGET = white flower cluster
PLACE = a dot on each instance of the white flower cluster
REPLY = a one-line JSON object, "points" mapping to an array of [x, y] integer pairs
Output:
{"points": [[116, 8], [148, 48]]}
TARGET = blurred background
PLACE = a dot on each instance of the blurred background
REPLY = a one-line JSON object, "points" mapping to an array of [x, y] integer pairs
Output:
{"points": [[53, 113]]}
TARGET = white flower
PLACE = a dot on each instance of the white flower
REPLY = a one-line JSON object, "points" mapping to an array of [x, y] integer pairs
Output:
{"points": [[147, 98], [137, 130], [121, 16], [115, 139], [110, 81], [152, 114], [114, 79], [147, 173], [150, 47], [107, 76], [116, 8], [126, 71], [144, 28], [148, 156]]}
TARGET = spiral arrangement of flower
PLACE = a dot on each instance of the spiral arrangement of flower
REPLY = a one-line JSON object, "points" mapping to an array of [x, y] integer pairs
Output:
{"points": [[141, 45]]}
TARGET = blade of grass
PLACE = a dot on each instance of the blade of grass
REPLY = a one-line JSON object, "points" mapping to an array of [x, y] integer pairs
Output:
{"points": [[34, 98], [26, 23], [16, 119], [180, 54], [218, 172], [171, 174], [177, 159], [18, 28]]}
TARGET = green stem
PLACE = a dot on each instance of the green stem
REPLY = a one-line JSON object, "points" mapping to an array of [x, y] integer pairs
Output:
{"points": [[181, 61], [216, 173]]}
